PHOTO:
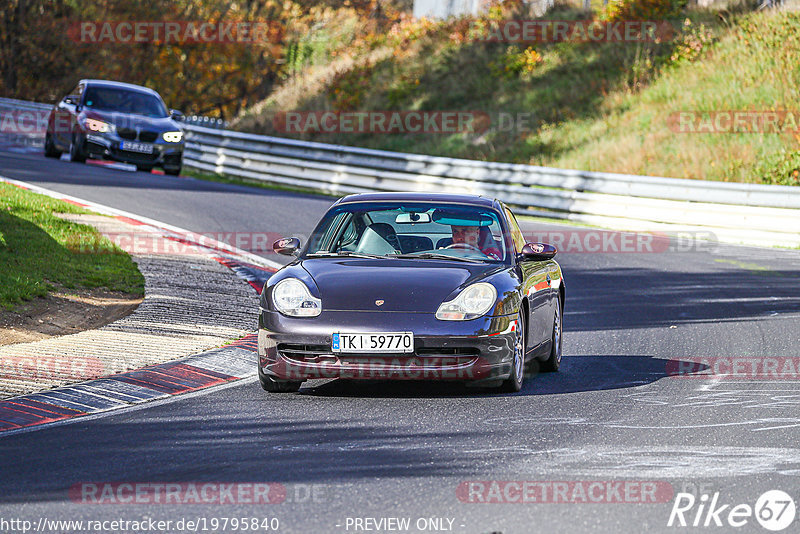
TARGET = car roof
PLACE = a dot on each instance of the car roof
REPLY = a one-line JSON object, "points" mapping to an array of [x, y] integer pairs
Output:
{"points": [[120, 85], [473, 200]]}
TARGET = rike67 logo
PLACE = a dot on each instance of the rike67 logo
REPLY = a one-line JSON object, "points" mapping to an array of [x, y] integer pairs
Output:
{"points": [[774, 510]]}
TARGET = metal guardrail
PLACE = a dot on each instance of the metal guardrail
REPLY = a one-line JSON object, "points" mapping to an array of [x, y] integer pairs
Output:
{"points": [[742, 213], [10, 103], [25, 127]]}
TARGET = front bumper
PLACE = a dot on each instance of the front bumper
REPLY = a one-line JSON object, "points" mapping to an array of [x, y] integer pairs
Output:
{"points": [[480, 350], [108, 146]]}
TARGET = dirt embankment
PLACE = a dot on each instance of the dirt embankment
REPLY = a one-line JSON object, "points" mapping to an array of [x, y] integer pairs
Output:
{"points": [[65, 311]]}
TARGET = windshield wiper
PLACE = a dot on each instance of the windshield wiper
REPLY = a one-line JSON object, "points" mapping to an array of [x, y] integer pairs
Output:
{"points": [[343, 253], [436, 256]]}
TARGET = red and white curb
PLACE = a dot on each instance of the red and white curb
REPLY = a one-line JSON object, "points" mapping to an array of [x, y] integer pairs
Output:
{"points": [[199, 371]]}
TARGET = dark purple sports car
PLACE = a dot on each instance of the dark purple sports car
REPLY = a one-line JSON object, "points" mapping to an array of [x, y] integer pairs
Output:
{"points": [[413, 286]]}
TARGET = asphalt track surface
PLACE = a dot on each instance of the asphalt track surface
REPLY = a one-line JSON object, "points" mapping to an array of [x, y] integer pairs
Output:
{"points": [[346, 451]]}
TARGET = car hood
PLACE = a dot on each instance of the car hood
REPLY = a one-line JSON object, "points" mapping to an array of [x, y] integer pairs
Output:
{"points": [[403, 285], [132, 121]]}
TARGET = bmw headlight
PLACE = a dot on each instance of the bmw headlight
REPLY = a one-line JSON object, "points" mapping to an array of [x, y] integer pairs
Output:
{"points": [[292, 297], [172, 137], [473, 302], [95, 125]]}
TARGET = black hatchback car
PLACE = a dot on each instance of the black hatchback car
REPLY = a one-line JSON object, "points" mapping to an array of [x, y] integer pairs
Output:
{"points": [[117, 121], [415, 286]]}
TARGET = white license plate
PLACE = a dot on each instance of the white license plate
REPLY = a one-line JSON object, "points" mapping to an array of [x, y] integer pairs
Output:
{"points": [[376, 342], [143, 148]]}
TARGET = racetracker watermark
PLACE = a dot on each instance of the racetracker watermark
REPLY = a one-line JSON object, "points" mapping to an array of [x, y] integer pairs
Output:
{"points": [[25, 121], [574, 31], [145, 242], [387, 368], [177, 493], [612, 242], [736, 367], [734, 122], [381, 122], [566, 241], [142, 524], [175, 32], [564, 492], [50, 367], [39, 122]]}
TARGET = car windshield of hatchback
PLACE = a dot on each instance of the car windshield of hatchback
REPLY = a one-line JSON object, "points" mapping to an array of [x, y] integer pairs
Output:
{"points": [[410, 230], [124, 101]]}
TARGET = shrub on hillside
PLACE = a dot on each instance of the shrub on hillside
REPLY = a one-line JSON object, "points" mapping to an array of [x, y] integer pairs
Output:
{"points": [[692, 41], [618, 10], [349, 88], [515, 62], [781, 168]]}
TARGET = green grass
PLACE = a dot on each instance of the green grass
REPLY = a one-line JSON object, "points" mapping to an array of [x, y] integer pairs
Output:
{"points": [[600, 107], [40, 251], [752, 67]]}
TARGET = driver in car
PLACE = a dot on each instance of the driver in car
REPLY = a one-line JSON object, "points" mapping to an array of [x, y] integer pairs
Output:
{"points": [[477, 237]]}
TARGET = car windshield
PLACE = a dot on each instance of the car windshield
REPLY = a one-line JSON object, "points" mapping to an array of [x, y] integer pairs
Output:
{"points": [[124, 101], [410, 230]]}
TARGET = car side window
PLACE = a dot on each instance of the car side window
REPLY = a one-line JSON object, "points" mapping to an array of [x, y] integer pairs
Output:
{"points": [[75, 94], [324, 239], [349, 236], [347, 231], [76, 91], [516, 233]]}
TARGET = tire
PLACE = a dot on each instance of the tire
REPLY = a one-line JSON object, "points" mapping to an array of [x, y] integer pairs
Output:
{"points": [[144, 168], [173, 171], [514, 382], [50, 149], [76, 152], [277, 386], [553, 362]]}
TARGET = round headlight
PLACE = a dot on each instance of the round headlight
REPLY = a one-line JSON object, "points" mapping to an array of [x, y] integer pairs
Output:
{"points": [[292, 297], [478, 298], [473, 302]]}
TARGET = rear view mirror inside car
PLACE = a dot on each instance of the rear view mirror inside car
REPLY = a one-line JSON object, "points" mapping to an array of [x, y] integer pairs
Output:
{"points": [[412, 218]]}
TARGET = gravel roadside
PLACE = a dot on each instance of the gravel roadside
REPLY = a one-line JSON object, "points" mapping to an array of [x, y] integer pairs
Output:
{"points": [[192, 303]]}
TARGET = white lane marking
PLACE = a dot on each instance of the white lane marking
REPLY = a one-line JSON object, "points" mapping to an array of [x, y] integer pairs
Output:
{"points": [[179, 232], [668, 462], [118, 165], [714, 382], [793, 423], [763, 423], [744, 399], [743, 299]]}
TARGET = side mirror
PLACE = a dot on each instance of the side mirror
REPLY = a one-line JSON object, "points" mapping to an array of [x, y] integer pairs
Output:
{"points": [[288, 246], [176, 115], [538, 252], [69, 100]]}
